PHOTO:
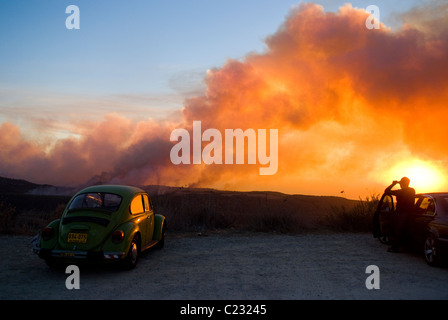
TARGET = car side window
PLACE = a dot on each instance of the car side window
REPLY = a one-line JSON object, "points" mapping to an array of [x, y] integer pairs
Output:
{"points": [[431, 208], [137, 205], [150, 204], [146, 202], [426, 207]]}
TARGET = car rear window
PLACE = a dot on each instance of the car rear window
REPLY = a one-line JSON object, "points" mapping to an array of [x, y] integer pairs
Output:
{"points": [[96, 200]]}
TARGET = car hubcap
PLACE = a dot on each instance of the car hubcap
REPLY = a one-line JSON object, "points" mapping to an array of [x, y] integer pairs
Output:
{"points": [[430, 249]]}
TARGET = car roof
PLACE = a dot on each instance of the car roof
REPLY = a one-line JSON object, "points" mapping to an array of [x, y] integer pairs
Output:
{"points": [[121, 190], [434, 194]]}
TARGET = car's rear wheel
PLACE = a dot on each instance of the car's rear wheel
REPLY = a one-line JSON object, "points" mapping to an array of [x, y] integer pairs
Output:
{"points": [[133, 254], [431, 250]]}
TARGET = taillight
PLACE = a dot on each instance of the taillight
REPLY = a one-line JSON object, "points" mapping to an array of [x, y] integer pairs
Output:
{"points": [[47, 233], [117, 236]]}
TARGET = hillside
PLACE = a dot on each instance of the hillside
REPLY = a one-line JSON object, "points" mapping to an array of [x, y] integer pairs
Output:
{"points": [[8, 185], [259, 211], [32, 206]]}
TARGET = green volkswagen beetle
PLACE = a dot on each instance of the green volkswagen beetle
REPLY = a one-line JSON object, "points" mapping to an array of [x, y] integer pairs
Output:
{"points": [[103, 223]]}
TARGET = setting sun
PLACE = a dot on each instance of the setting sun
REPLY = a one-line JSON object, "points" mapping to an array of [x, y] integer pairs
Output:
{"points": [[425, 176]]}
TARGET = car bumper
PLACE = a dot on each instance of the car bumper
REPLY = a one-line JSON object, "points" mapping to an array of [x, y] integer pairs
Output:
{"points": [[78, 255]]}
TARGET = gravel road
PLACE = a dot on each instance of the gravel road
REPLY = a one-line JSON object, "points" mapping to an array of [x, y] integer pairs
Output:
{"points": [[233, 266]]}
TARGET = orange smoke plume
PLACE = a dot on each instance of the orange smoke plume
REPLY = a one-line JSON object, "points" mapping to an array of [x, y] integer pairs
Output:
{"points": [[349, 104]]}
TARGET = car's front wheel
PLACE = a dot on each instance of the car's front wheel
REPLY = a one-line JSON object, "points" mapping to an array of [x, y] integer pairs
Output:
{"points": [[431, 250], [133, 254]]}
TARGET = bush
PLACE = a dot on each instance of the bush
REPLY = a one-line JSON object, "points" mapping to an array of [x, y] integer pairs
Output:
{"points": [[357, 219], [249, 211], [7, 216], [27, 222]]}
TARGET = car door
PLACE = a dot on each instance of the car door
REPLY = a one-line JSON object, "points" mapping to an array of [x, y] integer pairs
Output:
{"points": [[384, 215], [149, 217], [138, 210], [425, 210]]}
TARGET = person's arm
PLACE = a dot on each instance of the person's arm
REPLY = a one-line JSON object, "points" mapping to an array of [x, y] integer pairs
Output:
{"points": [[389, 188]]}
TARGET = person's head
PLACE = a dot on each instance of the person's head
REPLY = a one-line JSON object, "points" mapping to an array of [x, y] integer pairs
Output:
{"points": [[404, 182]]}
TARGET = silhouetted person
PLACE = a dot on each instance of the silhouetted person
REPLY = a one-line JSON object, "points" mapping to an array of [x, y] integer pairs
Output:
{"points": [[405, 206]]}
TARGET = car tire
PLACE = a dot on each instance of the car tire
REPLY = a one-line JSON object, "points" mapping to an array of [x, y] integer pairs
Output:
{"points": [[431, 250], [130, 262]]}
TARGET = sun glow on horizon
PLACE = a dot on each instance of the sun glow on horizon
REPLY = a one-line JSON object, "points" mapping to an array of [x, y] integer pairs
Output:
{"points": [[425, 176]]}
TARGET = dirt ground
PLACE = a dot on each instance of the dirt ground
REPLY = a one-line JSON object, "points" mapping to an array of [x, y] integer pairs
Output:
{"points": [[224, 266]]}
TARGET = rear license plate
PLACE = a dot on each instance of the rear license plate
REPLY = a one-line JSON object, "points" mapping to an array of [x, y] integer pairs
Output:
{"points": [[67, 254], [77, 237]]}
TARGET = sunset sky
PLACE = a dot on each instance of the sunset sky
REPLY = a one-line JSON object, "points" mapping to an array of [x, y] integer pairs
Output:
{"points": [[355, 108]]}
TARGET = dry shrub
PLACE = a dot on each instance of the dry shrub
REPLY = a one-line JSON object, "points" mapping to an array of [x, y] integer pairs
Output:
{"points": [[27, 222], [356, 219], [7, 217], [187, 210]]}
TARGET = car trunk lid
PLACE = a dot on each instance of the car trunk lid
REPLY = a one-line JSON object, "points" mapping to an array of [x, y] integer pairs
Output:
{"points": [[84, 230]]}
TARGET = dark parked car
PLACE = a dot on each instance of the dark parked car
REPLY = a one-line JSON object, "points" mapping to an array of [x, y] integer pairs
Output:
{"points": [[426, 227]]}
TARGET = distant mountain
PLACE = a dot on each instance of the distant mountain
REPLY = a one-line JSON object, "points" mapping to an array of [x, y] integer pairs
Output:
{"points": [[8, 185], [19, 186]]}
